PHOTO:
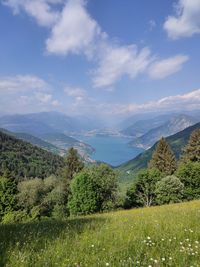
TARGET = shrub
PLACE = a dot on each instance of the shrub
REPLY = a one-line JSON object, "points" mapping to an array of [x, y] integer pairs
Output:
{"points": [[169, 190]]}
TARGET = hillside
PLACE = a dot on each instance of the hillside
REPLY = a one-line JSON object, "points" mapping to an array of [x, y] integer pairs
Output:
{"points": [[36, 142], [23, 159], [175, 124], [158, 236], [178, 141], [141, 127]]}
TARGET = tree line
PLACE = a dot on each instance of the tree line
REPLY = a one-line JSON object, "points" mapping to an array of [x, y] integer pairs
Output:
{"points": [[76, 189], [167, 180]]}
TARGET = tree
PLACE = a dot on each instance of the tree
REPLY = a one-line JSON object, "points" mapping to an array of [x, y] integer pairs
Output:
{"points": [[169, 190], [83, 199], [142, 192], [73, 165], [106, 182], [189, 174], [163, 158], [191, 152], [7, 196], [93, 190]]}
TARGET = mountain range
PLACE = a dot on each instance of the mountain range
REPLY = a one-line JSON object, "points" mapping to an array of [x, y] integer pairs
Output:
{"points": [[50, 130], [177, 141], [164, 128]]}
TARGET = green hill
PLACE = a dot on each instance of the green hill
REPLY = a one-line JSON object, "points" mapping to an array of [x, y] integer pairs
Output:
{"points": [[36, 141], [159, 236], [23, 159], [177, 141]]}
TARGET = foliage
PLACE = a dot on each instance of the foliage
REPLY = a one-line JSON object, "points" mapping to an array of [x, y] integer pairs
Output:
{"points": [[163, 158], [191, 152], [160, 236], [169, 190], [7, 195], [73, 165], [93, 190], [42, 197], [142, 193], [189, 174], [83, 195], [25, 160]]}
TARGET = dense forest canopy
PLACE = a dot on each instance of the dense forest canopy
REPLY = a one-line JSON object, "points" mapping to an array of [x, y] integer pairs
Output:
{"points": [[25, 160]]}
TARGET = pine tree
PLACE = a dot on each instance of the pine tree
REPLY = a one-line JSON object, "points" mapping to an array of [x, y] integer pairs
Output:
{"points": [[163, 158], [73, 165], [191, 152]]}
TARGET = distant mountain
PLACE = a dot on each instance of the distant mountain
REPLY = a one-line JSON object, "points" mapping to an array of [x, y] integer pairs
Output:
{"points": [[47, 122], [141, 127], [24, 160], [175, 124], [36, 141], [177, 141], [63, 141]]}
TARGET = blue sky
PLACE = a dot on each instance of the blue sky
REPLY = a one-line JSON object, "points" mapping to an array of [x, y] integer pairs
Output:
{"points": [[99, 57]]}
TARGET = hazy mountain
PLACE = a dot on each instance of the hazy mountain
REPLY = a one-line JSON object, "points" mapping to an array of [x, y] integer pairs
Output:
{"points": [[36, 141], [175, 124], [47, 122], [143, 126], [63, 141], [177, 141]]}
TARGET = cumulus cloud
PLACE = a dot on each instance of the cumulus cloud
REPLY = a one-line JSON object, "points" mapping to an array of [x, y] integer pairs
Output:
{"points": [[20, 83], [25, 93], [166, 67], [186, 101], [116, 61], [186, 21], [75, 31], [40, 10]]}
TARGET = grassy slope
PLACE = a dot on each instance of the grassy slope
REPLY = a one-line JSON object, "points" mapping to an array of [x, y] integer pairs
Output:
{"points": [[177, 142], [169, 235]]}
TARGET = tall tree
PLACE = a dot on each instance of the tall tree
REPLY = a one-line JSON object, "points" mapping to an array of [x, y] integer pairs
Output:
{"points": [[163, 158], [73, 165], [191, 152], [7, 195]]}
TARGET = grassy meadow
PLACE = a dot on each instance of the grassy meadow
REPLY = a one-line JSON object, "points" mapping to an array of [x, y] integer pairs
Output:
{"points": [[158, 236]]}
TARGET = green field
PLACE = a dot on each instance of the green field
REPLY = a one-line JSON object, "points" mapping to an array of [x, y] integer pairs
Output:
{"points": [[157, 236]]}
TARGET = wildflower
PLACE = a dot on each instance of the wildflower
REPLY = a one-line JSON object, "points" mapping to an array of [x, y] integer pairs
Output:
{"points": [[107, 264], [163, 259], [148, 237]]}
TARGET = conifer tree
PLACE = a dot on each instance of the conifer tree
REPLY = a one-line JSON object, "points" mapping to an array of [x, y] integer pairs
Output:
{"points": [[191, 152], [73, 165], [163, 158]]}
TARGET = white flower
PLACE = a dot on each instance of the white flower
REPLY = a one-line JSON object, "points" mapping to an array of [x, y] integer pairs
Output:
{"points": [[107, 264]]}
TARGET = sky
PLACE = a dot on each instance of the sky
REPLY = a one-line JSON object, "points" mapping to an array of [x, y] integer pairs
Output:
{"points": [[105, 58]]}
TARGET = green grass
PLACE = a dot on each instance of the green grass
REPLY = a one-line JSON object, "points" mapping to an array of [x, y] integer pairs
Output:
{"points": [[158, 236]]}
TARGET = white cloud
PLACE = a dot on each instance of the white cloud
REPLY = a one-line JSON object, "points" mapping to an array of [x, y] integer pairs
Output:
{"points": [[186, 22], [75, 91], [41, 10], [22, 83], [75, 31], [116, 61], [166, 67], [186, 101]]}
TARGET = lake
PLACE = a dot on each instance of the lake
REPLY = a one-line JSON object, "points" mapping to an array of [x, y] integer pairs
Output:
{"points": [[113, 150]]}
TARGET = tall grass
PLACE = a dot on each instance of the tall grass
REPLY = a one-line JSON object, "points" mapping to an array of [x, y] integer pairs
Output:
{"points": [[158, 236]]}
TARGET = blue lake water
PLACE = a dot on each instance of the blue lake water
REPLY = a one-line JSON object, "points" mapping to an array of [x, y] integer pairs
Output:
{"points": [[112, 150]]}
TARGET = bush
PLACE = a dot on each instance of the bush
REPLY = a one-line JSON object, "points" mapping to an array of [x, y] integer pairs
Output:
{"points": [[169, 190], [93, 190], [142, 192], [189, 174]]}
